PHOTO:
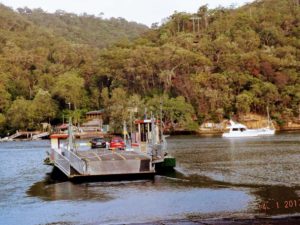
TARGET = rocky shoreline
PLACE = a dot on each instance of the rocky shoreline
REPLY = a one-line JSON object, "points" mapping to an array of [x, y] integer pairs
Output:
{"points": [[252, 121]]}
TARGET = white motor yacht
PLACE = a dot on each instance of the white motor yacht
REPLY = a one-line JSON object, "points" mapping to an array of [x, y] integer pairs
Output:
{"points": [[240, 130]]}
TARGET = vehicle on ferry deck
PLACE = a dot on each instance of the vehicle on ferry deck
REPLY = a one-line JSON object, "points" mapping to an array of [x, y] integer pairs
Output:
{"points": [[98, 143], [117, 143]]}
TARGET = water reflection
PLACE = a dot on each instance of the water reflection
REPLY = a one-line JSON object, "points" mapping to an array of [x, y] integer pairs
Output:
{"points": [[261, 161], [55, 187], [165, 197], [267, 200], [65, 191]]}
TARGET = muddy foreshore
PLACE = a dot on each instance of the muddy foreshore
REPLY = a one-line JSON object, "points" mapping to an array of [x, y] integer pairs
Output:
{"points": [[295, 220]]}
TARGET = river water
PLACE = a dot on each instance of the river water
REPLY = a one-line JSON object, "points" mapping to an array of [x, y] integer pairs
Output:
{"points": [[215, 178]]}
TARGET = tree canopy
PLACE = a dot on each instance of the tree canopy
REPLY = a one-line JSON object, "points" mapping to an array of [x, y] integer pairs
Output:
{"points": [[228, 61]]}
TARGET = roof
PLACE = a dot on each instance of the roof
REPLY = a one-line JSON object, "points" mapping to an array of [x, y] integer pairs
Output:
{"points": [[236, 125], [145, 121], [95, 112], [63, 126], [94, 122], [59, 136]]}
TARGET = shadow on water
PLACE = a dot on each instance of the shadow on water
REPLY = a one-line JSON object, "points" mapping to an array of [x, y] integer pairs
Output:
{"points": [[270, 200], [266, 200], [56, 186]]}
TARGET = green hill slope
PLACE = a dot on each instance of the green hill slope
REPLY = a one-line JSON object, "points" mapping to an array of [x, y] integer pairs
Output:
{"points": [[84, 29], [228, 61]]}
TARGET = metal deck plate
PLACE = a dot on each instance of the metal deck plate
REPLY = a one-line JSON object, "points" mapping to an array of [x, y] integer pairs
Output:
{"points": [[107, 155], [106, 162]]}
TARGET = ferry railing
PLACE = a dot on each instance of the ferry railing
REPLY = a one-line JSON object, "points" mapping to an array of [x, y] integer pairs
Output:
{"points": [[156, 151], [77, 163], [164, 143], [62, 163]]}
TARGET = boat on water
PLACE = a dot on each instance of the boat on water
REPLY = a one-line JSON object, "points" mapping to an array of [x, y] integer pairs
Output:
{"points": [[144, 155], [237, 130]]}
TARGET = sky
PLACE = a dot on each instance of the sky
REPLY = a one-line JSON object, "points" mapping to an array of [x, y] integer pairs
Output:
{"points": [[141, 11]]}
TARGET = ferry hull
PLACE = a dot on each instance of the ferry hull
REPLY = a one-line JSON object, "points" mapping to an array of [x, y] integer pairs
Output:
{"points": [[112, 177], [58, 175]]}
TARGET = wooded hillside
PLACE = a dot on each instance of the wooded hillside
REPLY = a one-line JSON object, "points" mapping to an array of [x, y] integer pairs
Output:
{"points": [[84, 29], [203, 66]]}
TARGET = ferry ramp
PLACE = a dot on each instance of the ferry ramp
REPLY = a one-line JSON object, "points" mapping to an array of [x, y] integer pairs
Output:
{"points": [[102, 162]]}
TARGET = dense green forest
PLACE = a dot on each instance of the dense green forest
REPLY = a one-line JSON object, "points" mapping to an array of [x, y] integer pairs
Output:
{"points": [[199, 67], [84, 29]]}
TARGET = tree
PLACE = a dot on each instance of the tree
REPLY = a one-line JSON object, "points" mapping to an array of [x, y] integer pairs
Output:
{"points": [[5, 99], [44, 107], [118, 104], [242, 60], [20, 114], [70, 88], [2, 122], [176, 111], [244, 101], [203, 13]]}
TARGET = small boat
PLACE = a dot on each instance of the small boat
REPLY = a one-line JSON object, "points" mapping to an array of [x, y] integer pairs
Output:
{"points": [[239, 130]]}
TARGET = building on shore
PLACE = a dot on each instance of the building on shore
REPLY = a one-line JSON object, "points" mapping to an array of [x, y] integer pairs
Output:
{"points": [[93, 125]]}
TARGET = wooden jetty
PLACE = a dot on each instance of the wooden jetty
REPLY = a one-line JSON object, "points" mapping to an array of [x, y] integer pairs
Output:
{"points": [[26, 135]]}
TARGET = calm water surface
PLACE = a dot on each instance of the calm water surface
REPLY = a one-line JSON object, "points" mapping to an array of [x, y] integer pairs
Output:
{"points": [[216, 178]]}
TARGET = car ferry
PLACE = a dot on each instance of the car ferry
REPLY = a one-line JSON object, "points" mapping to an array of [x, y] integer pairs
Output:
{"points": [[143, 156]]}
